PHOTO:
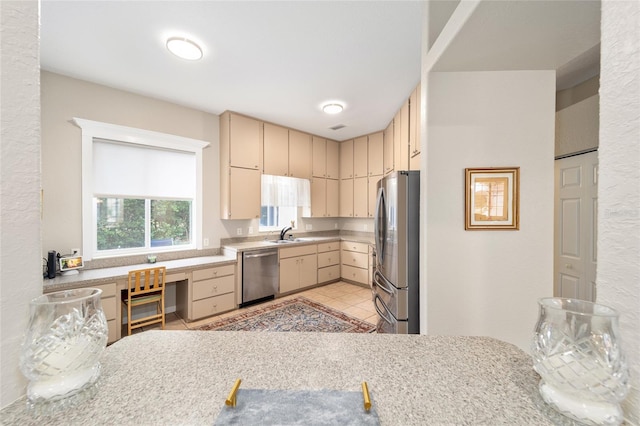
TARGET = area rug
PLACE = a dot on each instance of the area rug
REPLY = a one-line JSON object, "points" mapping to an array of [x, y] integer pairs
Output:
{"points": [[299, 314]]}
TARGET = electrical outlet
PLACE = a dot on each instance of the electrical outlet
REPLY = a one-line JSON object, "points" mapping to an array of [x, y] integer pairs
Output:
{"points": [[251, 229], [308, 227], [205, 242], [239, 231], [366, 227], [75, 251], [335, 226]]}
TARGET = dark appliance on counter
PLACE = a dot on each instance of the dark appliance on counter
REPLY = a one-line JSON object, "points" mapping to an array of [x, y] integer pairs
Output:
{"points": [[396, 278], [260, 275], [52, 264]]}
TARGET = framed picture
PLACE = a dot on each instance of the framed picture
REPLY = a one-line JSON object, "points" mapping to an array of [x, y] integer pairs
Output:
{"points": [[492, 198]]}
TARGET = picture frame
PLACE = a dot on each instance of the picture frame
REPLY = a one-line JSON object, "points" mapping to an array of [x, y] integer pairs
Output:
{"points": [[492, 198]]}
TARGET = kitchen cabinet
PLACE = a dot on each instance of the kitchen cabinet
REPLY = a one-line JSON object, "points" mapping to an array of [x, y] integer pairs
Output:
{"points": [[210, 291], [414, 128], [240, 166], [298, 267], [360, 197], [401, 138], [325, 199], [240, 192], [276, 150], [354, 258], [300, 153], [319, 157], [333, 159], [387, 143], [346, 159], [375, 152], [346, 197], [360, 156], [241, 139], [328, 262], [373, 195]]}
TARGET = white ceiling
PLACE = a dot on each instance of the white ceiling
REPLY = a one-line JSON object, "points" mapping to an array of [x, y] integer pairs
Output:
{"points": [[279, 61]]}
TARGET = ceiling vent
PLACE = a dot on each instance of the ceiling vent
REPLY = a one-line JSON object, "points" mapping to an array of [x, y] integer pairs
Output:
{"points": [[337, 127]]}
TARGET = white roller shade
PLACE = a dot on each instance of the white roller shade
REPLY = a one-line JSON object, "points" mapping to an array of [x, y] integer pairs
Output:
{"points": [[285, 191], [137, 171]]}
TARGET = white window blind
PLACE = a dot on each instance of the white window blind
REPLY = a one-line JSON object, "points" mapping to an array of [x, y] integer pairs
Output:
{"points": [[284, 191], [138, 171]]}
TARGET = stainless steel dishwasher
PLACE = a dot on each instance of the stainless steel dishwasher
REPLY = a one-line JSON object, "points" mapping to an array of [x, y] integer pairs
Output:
{"points": [[260, 275]]}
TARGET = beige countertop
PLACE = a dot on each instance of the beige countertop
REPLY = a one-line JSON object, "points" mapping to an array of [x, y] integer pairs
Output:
{"points": [[413, 379], [108, 275]]}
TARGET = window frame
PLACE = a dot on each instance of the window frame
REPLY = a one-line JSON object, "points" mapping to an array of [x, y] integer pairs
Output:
{"points": [[94, 129]]}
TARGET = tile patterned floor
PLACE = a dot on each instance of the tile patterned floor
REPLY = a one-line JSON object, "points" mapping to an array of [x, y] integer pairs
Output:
{"points": [[349, 298]]}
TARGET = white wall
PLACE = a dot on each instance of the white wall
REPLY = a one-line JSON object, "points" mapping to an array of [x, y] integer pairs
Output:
{"points": [[577, 127], [64, 98], [618, 274], [20, 260], [487, 282]]}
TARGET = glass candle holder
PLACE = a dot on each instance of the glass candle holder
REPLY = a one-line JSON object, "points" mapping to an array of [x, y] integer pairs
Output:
{"points": [[66, 336], [576, 350]]}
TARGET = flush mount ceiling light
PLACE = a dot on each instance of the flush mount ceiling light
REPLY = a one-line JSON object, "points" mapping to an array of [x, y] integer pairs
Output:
{"points": [[184, 48], [332, 108]]}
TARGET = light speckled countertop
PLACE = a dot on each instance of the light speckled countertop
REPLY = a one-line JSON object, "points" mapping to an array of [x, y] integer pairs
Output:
{"points": [[413, 379]]}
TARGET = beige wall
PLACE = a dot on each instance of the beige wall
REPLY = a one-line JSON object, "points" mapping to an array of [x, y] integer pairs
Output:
{"points": [[577, 93], [486, 283], [64, 98], [577, 127]]}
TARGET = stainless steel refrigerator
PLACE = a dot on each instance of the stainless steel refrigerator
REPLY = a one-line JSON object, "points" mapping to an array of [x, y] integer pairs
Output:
{"points": [[396, 277]]}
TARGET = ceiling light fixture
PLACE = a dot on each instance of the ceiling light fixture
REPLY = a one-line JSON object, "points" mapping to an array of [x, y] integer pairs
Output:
{"points": [[332, 108], [184, 48]]}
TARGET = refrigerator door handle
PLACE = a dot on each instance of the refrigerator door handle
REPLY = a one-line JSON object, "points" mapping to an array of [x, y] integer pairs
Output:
{"points": [[383, 315], [381, 283], [380, 224]]}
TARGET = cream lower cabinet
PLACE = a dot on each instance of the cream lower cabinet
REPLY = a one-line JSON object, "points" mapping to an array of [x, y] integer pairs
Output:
{"points": [[354, 258], [298, 267], [110, 307], [328, 262], [210, 291]]}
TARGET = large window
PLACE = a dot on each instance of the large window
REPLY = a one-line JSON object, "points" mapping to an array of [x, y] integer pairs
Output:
{"points": [[141, 191], [283, 199]]}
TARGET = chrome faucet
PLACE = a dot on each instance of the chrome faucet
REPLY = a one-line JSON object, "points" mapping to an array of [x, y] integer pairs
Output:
{"points": [[284, 231]]}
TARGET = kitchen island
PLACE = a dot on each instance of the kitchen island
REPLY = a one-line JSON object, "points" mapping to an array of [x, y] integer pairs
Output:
{"points": [[184, 377]]}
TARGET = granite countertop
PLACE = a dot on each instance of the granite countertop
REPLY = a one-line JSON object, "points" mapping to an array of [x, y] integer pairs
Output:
{"points": [[264, 244], [413, 379], [107, 275]]}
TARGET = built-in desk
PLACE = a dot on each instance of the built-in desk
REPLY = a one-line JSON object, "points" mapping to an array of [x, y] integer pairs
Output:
{"points": [[191, 303]]}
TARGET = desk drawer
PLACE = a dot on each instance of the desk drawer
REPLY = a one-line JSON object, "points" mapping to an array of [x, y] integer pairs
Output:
{"points": [[352, 258], [328, 258], [220, 271], [213, 287], [213, 305]]}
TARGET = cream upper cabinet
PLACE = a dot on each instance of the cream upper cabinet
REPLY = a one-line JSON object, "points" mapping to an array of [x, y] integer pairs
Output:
{"points": [[333, 198], [346, 197], [401, 138], [414, 129], [360, 157], [319, 166], [360, 199], [300, 154], [318, 197], [333, 159], [276, 150], [387, 142], [373, 194], [243, 140], [346, 159], [375, 154], [243, 194]]}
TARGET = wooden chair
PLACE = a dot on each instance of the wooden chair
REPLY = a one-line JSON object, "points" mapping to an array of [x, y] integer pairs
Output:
{"points": [[146, 286]]}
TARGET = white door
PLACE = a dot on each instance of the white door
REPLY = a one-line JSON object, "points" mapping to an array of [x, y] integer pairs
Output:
{"points": [[576, 207]]}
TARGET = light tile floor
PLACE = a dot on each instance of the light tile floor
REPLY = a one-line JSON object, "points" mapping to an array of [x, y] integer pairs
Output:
{"points": [[354, 300]]}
